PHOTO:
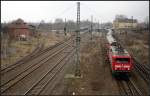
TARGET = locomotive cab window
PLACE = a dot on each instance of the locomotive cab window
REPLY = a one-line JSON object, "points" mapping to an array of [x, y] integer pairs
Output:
{"points": [[122, 60]]}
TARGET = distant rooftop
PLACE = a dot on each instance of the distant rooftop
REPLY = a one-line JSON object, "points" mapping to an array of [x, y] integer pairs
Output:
{"points": [[126, 20], [19, 23]]}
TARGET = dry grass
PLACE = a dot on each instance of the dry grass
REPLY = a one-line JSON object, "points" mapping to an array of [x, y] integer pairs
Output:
{"points": [[22, 49], [26, 47]]}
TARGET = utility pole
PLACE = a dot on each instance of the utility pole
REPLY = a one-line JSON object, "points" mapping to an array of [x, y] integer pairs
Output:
{"points": [[77, 71], [38, 33], [147, 23], [132, 22], [65, 28], [91, 26], [98, 27]]}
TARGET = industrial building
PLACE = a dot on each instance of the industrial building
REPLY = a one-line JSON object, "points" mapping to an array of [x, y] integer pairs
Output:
{"points": [[124, 23]]}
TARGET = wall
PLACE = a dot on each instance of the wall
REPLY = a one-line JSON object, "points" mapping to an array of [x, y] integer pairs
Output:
{"points": [[118, 25]]}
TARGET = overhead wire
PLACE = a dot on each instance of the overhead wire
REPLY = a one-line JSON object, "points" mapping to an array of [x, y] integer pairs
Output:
{"points": [[64, 11], [97, 14]]}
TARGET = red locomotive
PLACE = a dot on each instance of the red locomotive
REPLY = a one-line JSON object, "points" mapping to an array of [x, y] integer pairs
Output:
{"points": [[119, 58]]}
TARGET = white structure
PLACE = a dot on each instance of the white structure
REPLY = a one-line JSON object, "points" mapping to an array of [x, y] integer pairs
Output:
{"points": [[110, 37]]}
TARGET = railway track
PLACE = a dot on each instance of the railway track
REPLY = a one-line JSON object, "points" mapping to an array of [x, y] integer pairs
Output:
{"points": [[143, 71], [11, 80], [128, 88], [5, 72], [37, 52], [33, 75], [39, 86]]}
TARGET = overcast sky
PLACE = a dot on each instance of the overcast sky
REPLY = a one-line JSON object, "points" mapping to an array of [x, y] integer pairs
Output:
{"points": [[104, 11]]}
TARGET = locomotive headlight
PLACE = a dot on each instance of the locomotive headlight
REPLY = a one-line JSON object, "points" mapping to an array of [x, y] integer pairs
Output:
{"points": [[126, 67], [117, 66]]}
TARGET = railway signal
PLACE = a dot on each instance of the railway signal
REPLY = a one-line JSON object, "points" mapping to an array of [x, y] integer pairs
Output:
{"points": [[65, 28]]}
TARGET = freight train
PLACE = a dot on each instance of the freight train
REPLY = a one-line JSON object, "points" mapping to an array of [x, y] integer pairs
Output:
{"points": [[119, 58]]}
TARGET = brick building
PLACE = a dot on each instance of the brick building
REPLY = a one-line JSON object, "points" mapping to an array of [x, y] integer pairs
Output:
{"points": [[18, 29]]}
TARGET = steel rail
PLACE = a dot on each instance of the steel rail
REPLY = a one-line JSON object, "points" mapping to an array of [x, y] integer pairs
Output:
{"points": [[25, 73], [22, 61], [41, 86], [32, 65]]}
